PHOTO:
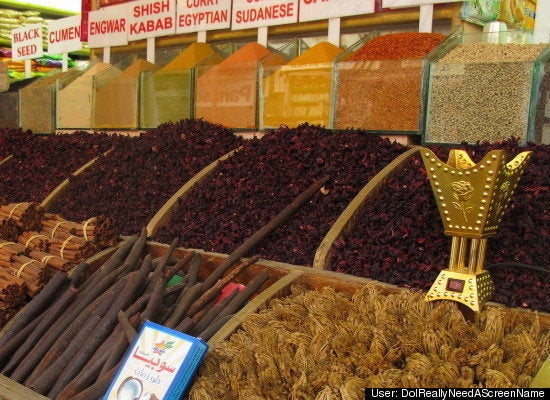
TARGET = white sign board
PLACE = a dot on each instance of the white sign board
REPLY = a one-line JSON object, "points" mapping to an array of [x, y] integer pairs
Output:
{"points": [[261, 13], [151, 18], [64, 35], [312, 10], [108, 26], [412, 3], [203, 15], [26, 42]]}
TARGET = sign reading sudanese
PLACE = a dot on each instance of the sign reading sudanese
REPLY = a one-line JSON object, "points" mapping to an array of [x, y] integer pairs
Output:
{"points": [[64, 35], [203, 15], [258, 13], [311, 10], [26, 42], [108, 27], [151, 18]]}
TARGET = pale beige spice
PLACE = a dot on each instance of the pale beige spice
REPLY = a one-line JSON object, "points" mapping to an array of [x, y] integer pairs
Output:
{"points": [[329, 345]]}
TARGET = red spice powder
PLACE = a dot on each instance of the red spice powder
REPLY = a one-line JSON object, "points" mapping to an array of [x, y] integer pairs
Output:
{"points": [[398, 46]]}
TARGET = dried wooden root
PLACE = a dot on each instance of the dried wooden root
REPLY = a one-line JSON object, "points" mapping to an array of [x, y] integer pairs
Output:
{"points": [[321, 344]]}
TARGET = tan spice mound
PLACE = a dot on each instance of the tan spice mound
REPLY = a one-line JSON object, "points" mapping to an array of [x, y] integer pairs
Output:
{"points": [[326, 345]]}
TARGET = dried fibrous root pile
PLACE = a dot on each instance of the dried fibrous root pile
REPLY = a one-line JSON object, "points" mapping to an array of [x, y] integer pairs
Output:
{"points": [[327, 345]]}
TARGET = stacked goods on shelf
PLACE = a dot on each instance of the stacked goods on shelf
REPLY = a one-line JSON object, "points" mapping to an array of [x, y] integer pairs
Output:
{"points": [[379, 85], [41, 66], [132, 182], [315, 341], [485, 91], [37, 101], [12, 19], [247, 188], [77, 351], [40, 164], [74, 102], [299, 91], [398, 235], [167, 94], [116, 101], [35, 245], [227, 93]]}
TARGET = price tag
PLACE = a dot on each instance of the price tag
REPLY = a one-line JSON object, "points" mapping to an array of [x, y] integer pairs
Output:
{"points": [[26, 42], [64, 35], [203, 15], [108, 27], [311, 10], [261, 13], [152, 18]]}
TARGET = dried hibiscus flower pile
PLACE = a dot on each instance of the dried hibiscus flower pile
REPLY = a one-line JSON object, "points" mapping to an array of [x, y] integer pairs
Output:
{"points": [[249, 188], [398, 237]]}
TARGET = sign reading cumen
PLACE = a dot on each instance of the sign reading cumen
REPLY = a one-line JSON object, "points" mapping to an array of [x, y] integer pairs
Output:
{"points": [[64, 35], [108, 27], [150, 18], [260, 13], [312, 10], [203, 15], [26, 42]]}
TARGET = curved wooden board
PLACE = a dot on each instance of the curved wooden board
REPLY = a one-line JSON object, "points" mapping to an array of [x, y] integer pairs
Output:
{"points": [[346, 220], [62, 187], [6, 159], [163, 216]]}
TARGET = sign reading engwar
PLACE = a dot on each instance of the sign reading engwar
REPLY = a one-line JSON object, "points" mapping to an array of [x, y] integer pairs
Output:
{"points": [[151, 18], [108, 26], [203, 15], [64, 35], [312, 10], [26, 42], [259, 13]]}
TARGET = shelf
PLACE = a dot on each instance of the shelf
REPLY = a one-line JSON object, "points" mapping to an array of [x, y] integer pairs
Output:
{"points": [[44, 10]]}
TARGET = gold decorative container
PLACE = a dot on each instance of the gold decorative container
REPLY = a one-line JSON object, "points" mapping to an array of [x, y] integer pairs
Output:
{"points": [[471, 199]]}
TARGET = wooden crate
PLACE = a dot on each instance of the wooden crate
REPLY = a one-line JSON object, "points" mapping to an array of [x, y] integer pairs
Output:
{"points": [[164, 215], [346, 220]]}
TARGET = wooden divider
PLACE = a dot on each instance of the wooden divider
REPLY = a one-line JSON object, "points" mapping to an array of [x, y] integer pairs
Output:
{"points": [[6, 159], [346, 220], [164, 215], [62, 187]]}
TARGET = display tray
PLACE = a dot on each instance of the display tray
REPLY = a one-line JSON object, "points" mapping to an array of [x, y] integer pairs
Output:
{"points": [[163, 216], [283, 276], [60, 189], [346, 220]]}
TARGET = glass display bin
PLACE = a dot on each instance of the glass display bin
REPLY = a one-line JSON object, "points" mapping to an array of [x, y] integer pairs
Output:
{"points": [[74, 101], [37, 101], [378, 83], [300, 90], [9, 104], [486, 87], [116, 101], [227, 93], [167, 94]]}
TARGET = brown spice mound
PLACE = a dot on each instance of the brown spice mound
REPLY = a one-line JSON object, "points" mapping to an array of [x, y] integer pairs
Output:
{"points": [[327, 345]]}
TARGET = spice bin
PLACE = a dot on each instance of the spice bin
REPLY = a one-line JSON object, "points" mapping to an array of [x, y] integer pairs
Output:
{"points": [[9, 104], [116, 101], [300, 90], [226, 94], [167, 94], [74, 100], [37, 101], [481, 90], [378, 82]]}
